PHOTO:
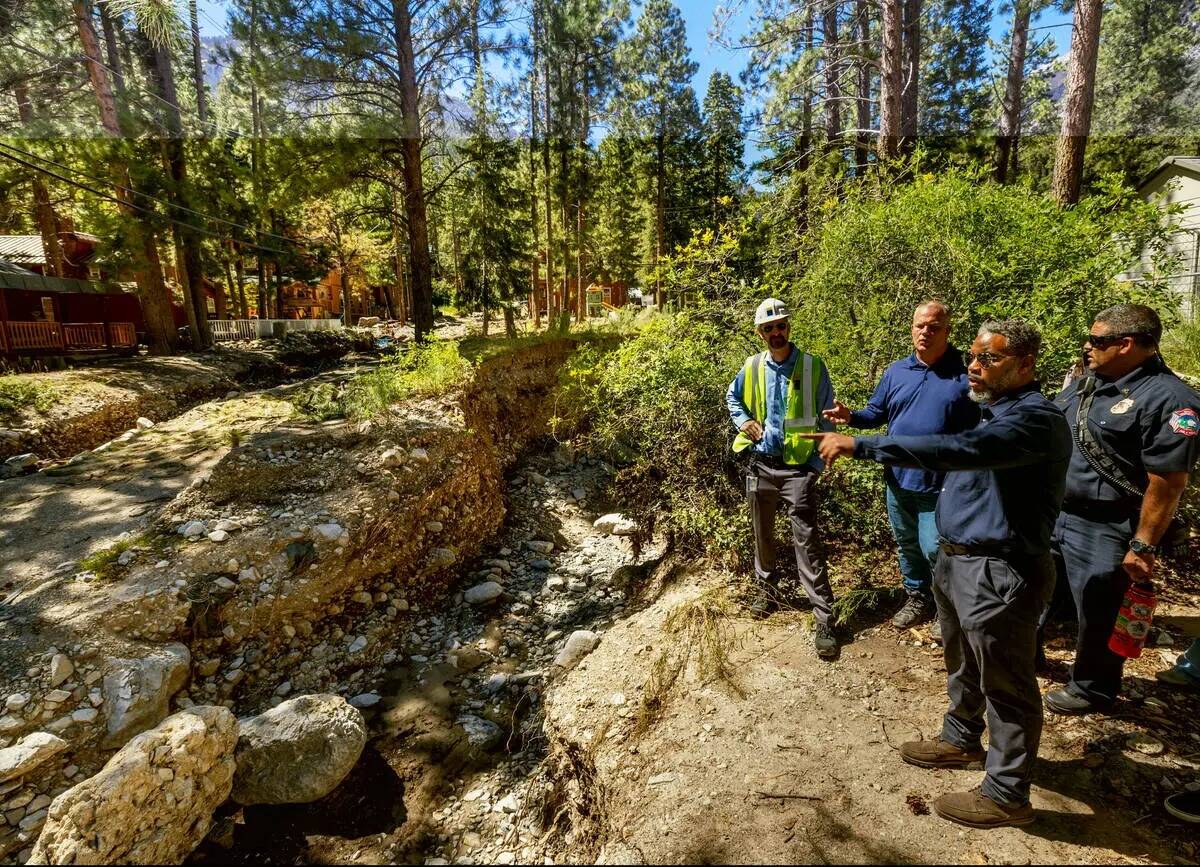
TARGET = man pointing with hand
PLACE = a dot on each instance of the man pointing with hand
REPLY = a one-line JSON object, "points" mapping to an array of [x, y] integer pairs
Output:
{"points": [[1004, 486]]}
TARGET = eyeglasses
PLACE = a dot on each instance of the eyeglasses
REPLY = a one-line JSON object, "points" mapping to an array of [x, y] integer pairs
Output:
{"points": [[985, 359], [1103, 341], [773, 326]]}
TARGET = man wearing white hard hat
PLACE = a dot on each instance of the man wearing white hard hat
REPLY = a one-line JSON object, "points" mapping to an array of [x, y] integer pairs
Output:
{"points": [[777, 395]]}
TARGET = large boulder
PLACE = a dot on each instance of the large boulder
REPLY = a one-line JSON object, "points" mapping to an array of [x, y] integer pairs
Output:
{"points": [[137, 692], [297, 751], [153, 802]]}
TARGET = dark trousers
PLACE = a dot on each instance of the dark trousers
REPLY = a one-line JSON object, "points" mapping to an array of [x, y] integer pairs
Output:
{"points": [[1087, 557], [766, 485], [989, 610]]}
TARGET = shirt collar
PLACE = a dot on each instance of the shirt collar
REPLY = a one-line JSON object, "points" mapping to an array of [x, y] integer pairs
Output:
{"points": [[947, 357], [1146, 368], [1003, 404], [791, 357]]}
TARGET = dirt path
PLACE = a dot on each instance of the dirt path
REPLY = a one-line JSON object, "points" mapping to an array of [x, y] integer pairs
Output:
{"points": [[50, 520]]}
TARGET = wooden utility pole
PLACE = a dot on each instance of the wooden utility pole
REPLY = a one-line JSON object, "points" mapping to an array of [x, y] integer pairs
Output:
{"points": [[1078, 99]]}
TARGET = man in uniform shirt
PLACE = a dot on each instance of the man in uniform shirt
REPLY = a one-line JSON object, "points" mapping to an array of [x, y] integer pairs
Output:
{"points": [[925, 393], [1004, 485], [1128, 470]]}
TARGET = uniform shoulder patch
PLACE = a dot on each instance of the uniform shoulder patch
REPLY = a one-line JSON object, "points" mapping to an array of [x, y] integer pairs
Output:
{"points": [[1185, 422]]}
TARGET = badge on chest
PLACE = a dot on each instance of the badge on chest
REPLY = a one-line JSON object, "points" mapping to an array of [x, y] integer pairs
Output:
{"points": [[1122, 406]]}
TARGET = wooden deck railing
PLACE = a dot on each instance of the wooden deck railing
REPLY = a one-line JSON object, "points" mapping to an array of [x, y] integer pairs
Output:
{"points": [[35, 335], [84, 335], [122, 334]]}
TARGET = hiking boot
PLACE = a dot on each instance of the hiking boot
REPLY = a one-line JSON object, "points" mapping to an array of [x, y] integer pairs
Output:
{"points": [[938, 753], [935, 631], [825, 641], [976, 810], [916, 610], [1184, 806], [1175, 677], [1066, 703], [760, 598]]}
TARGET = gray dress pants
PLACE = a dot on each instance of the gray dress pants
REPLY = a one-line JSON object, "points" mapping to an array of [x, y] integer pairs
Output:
{"points": [[766, 485], [989, 609]]}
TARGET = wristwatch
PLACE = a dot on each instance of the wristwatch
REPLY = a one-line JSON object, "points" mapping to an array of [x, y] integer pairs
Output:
{"points": [[1137, 546]]}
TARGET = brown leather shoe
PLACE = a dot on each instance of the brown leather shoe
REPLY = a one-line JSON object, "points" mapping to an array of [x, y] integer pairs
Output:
{"points": [[976, 810], [938, 753]]}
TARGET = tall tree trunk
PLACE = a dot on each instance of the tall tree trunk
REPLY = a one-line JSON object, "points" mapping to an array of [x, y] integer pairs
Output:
{"points": [[660, 171], [535, 265], [114, 56], [585, 130], [1010, 107], [564, 186], [181, 277], [833, 71], [862, 143], [551, 306], [240, 271], [42, 209], [260, 272], [198, 65], [414, 183], [1078, 99], [806, 119], [397, 256], [911, 75], [152, 290], [890, 80], [231, 288], [157, 59]]}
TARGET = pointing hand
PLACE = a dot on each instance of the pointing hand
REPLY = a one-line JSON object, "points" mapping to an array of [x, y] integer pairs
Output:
{"points": [[831, 446], [840, 414]]}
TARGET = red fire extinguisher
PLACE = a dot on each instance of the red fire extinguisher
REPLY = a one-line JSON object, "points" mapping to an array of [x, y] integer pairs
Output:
{"points": [[1133, 621]]}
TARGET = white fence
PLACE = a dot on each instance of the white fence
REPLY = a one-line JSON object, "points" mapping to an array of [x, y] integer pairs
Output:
{"points": [[249, 329]]}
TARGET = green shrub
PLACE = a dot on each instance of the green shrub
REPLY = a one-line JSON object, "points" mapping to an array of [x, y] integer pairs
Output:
{"points": [[415, 370], [987, 250], [1181, 349], [18, 393]]}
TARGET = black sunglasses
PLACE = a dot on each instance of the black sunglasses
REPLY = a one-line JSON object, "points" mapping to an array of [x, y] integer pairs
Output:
{"points": [[773, 326], [1103, 341]]}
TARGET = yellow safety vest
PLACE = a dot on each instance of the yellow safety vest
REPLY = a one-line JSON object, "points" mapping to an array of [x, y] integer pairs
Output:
{"points": [[801, 414]]}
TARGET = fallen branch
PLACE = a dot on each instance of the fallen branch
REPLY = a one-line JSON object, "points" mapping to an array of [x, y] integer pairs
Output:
{"points": [[788, 796]]}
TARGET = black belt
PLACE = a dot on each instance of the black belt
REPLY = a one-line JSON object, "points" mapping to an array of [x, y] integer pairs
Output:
{"points": [[1103, 511], [983, 550], [772, 461]]}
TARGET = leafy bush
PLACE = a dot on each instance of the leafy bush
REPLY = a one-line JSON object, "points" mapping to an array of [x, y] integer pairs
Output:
{"points": [[1181, 349], [18, 393], [987, 250]]}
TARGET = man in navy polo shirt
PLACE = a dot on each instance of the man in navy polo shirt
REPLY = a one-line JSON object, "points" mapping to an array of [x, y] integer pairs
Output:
{"points": [[926, 393]]}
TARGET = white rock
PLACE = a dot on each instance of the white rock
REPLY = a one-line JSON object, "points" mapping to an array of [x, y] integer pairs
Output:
{"points": [[28, 753], [481, 594], [481, 733], [496, 682], [10, 723], [579, 644], [392, 458], [137, 692], [144, 423], [615, 524], [357, 644], [661, 779], [57, 696], [193, 528], [299, 751], [225, 584], [218, 536], [508, 804], [85, 715], [228, 526], [328, 532], [419, 455], [17, 700], [129, 814]]}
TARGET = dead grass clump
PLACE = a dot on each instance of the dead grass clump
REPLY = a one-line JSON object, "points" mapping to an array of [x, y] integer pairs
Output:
{"points": [[699, 636], [864, 599]]}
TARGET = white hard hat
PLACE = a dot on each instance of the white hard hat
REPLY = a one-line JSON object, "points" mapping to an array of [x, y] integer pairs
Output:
{"points": [[769, 311]]}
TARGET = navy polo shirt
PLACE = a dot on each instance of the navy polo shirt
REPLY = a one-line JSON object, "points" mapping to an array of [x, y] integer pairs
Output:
{"points": [[914, 399], [1147, 421], [1005, 478]]}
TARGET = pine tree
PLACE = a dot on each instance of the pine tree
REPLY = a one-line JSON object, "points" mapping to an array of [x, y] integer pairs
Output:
{"points": [[658, 71], [1144, 76], [621, 221], [724, 166], [954, 77]]}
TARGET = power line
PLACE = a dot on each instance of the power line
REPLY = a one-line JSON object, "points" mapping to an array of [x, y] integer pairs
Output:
{"points": [[148, 196], [112, 198]]}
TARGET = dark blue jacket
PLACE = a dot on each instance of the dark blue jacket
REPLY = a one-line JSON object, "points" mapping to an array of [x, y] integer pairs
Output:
{"points": [[1005, 478], [912, 400]]}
